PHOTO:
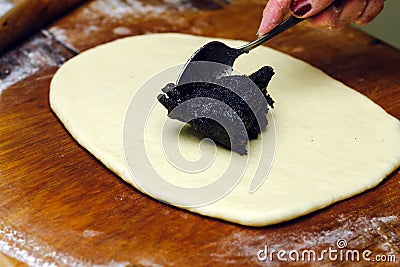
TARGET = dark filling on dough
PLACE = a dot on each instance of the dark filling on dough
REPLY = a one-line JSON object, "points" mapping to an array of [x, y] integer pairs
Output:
{"points": [[246, 96]]}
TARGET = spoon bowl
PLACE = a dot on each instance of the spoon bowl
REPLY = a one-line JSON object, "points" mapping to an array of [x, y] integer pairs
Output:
{"points": [[219, 52]]}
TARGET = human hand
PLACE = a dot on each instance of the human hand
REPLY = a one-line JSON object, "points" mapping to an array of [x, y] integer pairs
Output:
{"points": [[327, 13]]}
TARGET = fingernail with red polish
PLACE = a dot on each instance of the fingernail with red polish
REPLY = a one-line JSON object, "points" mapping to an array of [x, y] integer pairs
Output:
{"points": [[300, 7]]}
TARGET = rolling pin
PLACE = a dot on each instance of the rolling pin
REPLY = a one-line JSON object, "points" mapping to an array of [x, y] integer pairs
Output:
{"points": [[27, 16]]}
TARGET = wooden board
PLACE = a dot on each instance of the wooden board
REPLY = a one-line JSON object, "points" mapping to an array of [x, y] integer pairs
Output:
{"points": [[59, 205]]}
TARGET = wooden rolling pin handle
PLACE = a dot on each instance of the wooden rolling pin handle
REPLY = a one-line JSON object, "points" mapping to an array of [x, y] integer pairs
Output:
{"points": [[28, 16]]}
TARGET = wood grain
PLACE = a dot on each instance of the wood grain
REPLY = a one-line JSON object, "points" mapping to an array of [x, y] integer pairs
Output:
{"points": [[38, 52], [27, 16], [59, 205], [6, 261]]}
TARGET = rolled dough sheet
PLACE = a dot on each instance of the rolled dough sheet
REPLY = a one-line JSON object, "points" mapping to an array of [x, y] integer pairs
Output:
{"points": [[331, 141]]}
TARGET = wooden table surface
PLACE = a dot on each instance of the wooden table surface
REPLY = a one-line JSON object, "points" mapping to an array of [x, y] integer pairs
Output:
{"points": [[59, 206]]}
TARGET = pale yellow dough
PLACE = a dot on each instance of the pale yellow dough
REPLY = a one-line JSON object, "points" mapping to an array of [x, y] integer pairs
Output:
{"points": [[331, 141]]}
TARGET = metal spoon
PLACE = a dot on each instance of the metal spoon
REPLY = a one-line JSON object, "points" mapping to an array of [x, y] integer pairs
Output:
{"points": [[219, 52]]}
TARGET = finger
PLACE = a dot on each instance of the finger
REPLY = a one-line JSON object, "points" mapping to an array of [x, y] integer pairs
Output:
{"points": [[351, 11], [340, 13], [273, 14], [372, 9], [308, 8]]}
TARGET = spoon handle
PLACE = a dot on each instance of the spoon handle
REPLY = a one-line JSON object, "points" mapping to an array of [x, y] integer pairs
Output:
{"points": [[288, 23]]}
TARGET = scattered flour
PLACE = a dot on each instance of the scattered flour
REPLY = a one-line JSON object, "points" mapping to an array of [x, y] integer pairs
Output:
{"points": [[33, 56], [5, 6], [242, 244], [110, 8], [18, 73], [387, 219], [122, 31], [19, 246], [116, 9], [59, 34], [91, 233]]}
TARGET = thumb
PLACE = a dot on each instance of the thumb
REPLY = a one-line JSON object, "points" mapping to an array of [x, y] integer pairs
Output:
{"points": [[308, 8]]}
